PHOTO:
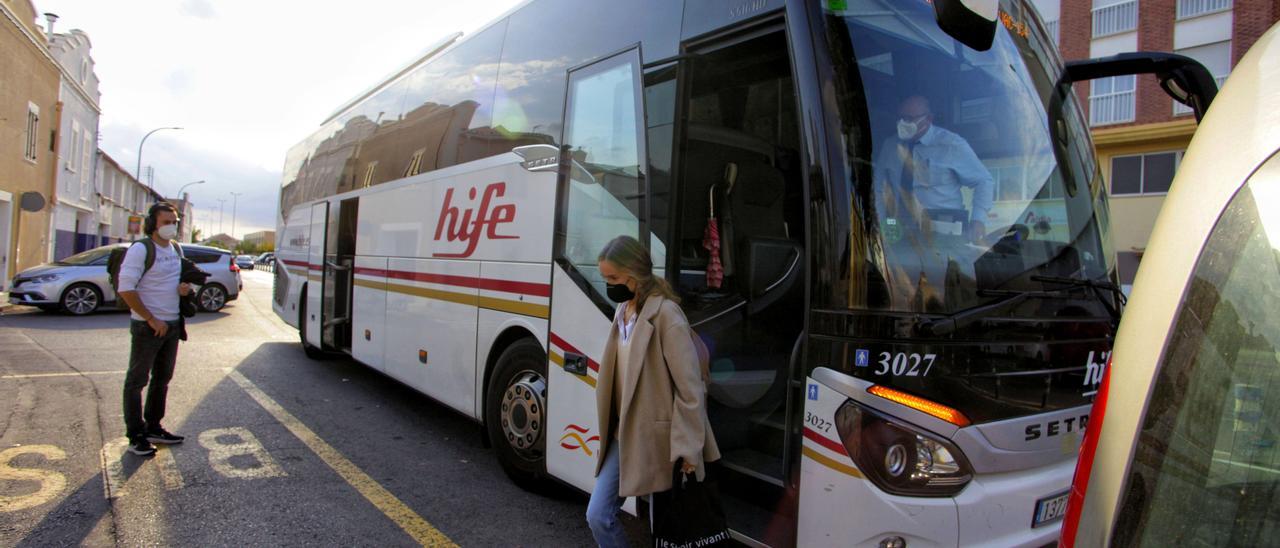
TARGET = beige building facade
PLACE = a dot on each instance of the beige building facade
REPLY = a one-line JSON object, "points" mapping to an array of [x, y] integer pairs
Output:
{"points": [[29, 120]]}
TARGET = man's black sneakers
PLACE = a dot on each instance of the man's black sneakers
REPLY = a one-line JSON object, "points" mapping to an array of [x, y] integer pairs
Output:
{"points": [[164, 437], [142, 448]]}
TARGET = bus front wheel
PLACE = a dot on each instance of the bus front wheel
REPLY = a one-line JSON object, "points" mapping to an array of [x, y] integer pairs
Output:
{"points": [[516, 413], [312, 352]]}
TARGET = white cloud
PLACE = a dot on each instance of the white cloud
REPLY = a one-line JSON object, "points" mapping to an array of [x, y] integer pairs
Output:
{"points": [[247, 80]]}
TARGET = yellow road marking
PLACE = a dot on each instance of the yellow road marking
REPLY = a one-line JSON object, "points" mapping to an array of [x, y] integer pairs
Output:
{"points": [[830, 462], [383, 500], [51, 483], [169, 472]]}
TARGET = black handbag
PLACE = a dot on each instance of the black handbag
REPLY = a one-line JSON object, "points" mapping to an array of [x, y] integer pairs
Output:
{"points": [[689, 515], [193, 275]]}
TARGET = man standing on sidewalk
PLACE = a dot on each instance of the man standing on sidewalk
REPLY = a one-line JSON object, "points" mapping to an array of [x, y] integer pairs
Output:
{"points": [[152, 295]]}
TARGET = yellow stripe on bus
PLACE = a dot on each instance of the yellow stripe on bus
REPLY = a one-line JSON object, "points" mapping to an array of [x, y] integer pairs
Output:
{"points": [[516, 307], [559, 360], [830, 462], [491, 303]]}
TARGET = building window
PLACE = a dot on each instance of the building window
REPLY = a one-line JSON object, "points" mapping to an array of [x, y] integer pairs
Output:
{"points": [[1111, 100], [1215, 57], [1052, 28], [86, 161], [33, 131], [1143, 173], [368, 174], [73, 148], [1195, 8], [1111, 17]]}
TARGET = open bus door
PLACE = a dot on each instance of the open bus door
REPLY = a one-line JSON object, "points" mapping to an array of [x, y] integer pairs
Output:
{"points": [[315, 275], [602, 194]]}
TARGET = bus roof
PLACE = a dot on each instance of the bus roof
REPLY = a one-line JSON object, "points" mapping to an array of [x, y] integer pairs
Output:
{"points": [[440, 46]]}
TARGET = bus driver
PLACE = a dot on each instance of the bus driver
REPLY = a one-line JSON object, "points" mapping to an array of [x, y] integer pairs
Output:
{"points": [[931, 164]]}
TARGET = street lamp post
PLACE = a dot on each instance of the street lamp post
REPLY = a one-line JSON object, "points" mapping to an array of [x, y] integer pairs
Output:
{"points": [[221, 203], [181, 196], [234, 196], [137, 172]]}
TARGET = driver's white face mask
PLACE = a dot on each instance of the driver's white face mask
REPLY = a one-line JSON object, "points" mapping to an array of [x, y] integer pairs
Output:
{"points": [[907, 130]]}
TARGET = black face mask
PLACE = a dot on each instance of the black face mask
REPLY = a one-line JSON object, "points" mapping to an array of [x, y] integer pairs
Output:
{"points": [[619, 293]]}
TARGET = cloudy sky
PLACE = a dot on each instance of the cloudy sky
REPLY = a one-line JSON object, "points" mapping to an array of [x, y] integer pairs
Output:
{"points": [[245, 79]]}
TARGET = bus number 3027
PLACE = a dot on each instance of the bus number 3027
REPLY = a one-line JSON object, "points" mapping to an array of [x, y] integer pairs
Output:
{"points": [[903, 364]]}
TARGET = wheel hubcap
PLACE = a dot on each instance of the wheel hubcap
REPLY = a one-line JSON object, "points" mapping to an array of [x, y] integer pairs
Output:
{"points": [[523, 412], [212, 298], [81, 300]]}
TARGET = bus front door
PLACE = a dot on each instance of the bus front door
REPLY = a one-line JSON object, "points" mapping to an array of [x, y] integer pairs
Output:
{"points": [[314, 316]]}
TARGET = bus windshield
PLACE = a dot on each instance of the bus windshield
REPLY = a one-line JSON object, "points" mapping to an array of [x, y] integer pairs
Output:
{"points": [[967, 178]]}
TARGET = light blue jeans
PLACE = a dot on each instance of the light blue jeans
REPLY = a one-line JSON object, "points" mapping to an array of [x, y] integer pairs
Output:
{"points": [[602, 511]]}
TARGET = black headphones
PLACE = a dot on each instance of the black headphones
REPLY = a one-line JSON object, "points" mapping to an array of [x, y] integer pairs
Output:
{"points": [[149, 225]]}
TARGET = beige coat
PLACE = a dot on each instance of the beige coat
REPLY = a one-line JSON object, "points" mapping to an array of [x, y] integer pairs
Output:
{"points": [[663, 411]]}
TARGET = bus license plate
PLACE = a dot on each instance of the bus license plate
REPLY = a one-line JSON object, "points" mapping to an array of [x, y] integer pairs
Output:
{"points": [[1050, 508]]}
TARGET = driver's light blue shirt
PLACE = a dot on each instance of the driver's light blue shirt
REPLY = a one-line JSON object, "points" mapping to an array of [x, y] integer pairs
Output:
{"points": [[944, 162]]}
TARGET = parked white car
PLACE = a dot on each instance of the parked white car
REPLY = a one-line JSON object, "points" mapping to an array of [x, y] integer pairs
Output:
{"points": [[79, 284]]}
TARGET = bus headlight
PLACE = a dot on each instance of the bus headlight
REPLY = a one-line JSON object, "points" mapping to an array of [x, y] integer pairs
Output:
{"points": [[898, 458]]}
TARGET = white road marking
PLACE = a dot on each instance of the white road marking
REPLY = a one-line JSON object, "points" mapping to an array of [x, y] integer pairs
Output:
{"points": [[245, 444], [112, 457]]}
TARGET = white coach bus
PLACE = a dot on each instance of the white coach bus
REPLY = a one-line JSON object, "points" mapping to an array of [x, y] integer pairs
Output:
{"points": [[888, 369]]}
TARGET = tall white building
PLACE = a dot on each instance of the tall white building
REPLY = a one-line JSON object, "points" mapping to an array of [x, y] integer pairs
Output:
{"points": [[75, 225]]}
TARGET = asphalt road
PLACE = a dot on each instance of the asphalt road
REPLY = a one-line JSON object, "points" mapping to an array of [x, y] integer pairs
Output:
{"points": [[280, 449]]}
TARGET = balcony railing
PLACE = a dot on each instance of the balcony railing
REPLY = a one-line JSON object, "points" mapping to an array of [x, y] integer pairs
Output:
{"points": [[1112, 108], [1052, 27], [1193, 8], [1180, 109], [1115, 18]]}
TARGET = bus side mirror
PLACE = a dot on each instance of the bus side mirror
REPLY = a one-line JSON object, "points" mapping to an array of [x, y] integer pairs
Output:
{"points": [[1183, 78], [971, 22]]}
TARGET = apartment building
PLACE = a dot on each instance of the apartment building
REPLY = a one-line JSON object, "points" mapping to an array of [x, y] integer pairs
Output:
{"points": [[75, 225], [1139, 132], [29, 110]]}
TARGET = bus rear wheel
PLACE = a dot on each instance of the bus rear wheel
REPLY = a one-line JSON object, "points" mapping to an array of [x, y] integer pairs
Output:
{"points": [[516, 413]]}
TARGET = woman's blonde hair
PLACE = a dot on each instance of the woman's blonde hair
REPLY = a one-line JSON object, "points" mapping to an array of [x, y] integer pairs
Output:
{"points": [[633, 259]]}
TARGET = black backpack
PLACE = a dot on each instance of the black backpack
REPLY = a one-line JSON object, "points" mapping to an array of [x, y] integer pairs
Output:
{"points": [[117, 258]]}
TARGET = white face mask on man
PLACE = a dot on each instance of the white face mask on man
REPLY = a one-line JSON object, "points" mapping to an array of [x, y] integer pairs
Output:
{"points": [[168, 232], [907, 130]]}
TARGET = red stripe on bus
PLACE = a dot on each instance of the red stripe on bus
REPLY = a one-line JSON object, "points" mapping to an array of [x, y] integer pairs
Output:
{"points": [[556, 340], [488, 284], [825, 442]]}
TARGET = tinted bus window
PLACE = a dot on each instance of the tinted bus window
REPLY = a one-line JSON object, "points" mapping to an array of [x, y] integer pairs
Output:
{"points": [[547, 38], [1206, 466], [449, 106]]}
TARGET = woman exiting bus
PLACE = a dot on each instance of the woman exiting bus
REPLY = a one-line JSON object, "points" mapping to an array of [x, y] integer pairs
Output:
{"points": [[651, 396]]}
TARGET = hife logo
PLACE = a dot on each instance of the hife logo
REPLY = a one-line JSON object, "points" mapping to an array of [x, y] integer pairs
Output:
{"points": [[468, 224]]}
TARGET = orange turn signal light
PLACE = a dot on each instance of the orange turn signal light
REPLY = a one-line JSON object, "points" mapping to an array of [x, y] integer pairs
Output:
{"points": [[922, 405]]}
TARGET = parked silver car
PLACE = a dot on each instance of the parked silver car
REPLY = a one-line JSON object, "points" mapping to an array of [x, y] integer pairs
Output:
{"points": [[79, 284]]}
